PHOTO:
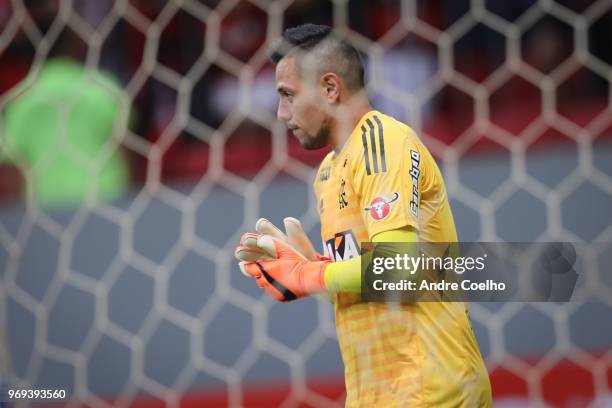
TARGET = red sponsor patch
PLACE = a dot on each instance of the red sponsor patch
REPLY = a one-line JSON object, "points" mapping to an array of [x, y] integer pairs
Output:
{"points": [[380, 206]]}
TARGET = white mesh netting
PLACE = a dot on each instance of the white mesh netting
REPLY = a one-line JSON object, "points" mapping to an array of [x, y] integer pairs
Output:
{"points": [[140, 299]]}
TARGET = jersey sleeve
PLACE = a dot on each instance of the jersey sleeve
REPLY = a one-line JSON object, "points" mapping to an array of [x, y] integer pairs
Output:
{"points": [[388, 174]]}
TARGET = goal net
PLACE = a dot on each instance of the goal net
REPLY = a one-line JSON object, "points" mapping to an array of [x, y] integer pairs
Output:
{"points": [[129, 294]]}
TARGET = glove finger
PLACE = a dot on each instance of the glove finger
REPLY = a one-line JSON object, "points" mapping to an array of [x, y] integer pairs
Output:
{"points": [[250, 269], [261, 283], [249, 239], [242, 270], [264, 226], [253, 241], [298, 238], [245, 254], [279, 249], [267, 244]]}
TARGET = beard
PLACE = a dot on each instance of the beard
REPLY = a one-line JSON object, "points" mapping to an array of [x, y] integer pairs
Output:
{"points": [[321, 139]]}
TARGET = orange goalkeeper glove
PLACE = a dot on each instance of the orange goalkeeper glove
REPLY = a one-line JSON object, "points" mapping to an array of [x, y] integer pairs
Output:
{"points": [[294, 235], [290, 275]]}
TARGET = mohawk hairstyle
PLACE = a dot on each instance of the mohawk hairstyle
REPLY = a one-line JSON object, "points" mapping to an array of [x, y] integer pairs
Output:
{"points": [[334, 54], [305, 37]]}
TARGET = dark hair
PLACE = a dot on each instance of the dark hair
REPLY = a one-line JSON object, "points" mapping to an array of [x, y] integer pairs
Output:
{"points": [[342, 57], [305, 37]]}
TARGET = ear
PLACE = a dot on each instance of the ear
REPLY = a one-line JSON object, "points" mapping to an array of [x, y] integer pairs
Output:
{"points": [[331, 84]]}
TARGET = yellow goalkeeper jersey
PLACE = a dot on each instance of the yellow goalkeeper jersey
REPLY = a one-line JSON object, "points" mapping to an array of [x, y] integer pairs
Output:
{"points": [[421, 354]]}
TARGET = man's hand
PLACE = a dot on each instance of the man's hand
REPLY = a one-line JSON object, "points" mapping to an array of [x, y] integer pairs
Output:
{"points": [[290, 275]]}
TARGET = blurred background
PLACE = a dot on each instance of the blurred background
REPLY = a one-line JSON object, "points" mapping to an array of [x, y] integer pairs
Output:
{"points": [[138, 141]]}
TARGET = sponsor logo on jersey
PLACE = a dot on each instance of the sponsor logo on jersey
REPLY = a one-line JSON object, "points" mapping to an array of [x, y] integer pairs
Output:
{"points": [[342, 196], [415, 172], [342, 246], [324, 174], [380, 206]]}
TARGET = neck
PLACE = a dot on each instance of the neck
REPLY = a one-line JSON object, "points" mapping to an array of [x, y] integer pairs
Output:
{"points": [[347, 117]]}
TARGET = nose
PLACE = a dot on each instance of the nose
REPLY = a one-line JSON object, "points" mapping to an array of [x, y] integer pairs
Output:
{"points": [[282, 113]]}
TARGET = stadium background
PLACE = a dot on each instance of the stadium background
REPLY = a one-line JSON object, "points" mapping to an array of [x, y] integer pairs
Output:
{"points": [[139, 301]]}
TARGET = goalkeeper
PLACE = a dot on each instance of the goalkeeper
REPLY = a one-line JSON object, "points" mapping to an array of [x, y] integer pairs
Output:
{"points": [[379, 183]]}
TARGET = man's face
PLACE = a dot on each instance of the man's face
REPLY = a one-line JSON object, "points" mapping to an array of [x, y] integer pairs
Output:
{"points": [[300, 106]]}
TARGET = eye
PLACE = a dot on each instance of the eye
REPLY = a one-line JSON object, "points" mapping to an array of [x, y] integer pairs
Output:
{"points": [[287, 95]]}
